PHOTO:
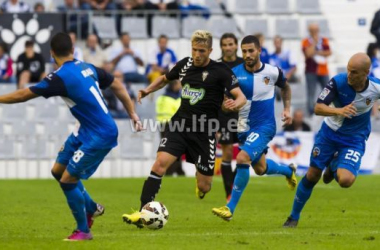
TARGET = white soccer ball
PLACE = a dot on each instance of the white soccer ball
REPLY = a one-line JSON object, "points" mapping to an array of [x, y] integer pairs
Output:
{"points": [[154, 215]]}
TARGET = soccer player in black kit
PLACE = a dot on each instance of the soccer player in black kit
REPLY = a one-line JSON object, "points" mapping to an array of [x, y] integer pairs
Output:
{"points": [[203, 85], [228, 120]]}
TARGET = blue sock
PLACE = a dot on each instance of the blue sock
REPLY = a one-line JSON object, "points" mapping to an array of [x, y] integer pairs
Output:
{"points": [[89, 203], [302, 196], [75, 200], [240, 182], [275, 168]]}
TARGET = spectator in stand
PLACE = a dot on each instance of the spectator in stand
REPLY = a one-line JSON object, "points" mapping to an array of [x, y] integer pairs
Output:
{"points": [[30, 66], [298, 122], [127, 59], [93, 53], [375, 27], [98, 5], [6, 71], [39, 8], [316, 50], [162, 59], [166, 106], [373, 53], [114, 105], [186, 6], [264, 55], [14, 6], [78, 53], [70, 6], [284, 59]]}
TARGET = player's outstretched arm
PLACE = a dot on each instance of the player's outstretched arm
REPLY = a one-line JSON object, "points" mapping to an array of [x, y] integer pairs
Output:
{"points": [[347, 111], [157, 84], [237, 104], [21, 95], [121, 93], [286, 95]]}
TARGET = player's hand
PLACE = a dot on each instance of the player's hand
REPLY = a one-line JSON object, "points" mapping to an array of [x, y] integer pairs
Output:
{"points": [[348, 111], [286, 118], [230, 105], [142, 93], [137, 125]]}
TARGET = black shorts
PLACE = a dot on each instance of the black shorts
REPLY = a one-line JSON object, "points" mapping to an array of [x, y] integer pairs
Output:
{"points": [[227, 135], [198, 147]]}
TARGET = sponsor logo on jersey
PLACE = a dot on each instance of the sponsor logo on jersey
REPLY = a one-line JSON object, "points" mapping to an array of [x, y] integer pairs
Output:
{"points": [[368, 101], [204, 75], [324, 93], [234, 80], [266, 80], [316, 152], [194, 95]]}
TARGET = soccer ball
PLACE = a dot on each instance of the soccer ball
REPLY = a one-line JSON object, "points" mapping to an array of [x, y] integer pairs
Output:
{"points": [[154, 215]]}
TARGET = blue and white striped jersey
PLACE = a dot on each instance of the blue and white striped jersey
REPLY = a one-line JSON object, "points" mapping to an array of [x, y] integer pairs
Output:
{"points": [[259, 89], [338, 93]]}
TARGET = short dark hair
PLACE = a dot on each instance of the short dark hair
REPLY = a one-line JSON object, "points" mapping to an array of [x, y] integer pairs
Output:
{"points": [[124, 34], [4, 47], [228, 35], [251, 39], [61, 44], [29, 43], [163, 37]]}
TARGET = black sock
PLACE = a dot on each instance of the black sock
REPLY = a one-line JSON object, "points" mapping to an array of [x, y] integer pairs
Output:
{"points": [[228, 177], [151, 187]]}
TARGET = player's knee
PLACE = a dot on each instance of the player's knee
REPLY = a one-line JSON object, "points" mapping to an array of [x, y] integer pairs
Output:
{"points": [[314, 174], [56, 175], [346, 182], [242, 158], [204, 186], [159, 167], [259, 170]]}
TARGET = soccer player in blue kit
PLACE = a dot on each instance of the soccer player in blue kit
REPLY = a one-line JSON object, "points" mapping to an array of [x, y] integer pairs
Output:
{"points": [[346, 101], [257, 124], [79, 85]]}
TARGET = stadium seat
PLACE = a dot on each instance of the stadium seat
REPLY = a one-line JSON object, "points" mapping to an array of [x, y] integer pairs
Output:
{"points": [[14, 112], [277, 7], [253, 26], [214, 6], [323, 26], [308, 7], [165, 26], [190, 24], [247, 6], [7, 88], [105, 27], [287, 28], [220, 25], [135, 26], [35, 148], [7, 148], [341, 69], [23, 129], [45, 111], [132, 146]]}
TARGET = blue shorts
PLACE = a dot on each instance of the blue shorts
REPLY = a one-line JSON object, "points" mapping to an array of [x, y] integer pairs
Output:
{"points": [[81, 160], [255, 143], [340, 151]]}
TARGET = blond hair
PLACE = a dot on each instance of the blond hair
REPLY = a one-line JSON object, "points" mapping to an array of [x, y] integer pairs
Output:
{"points": [[202, 36]]}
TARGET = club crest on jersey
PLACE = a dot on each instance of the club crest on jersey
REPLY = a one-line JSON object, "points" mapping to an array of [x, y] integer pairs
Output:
{"points": [[266, 80], [194, 95], [368, 101], [204, 75], [316, 152]]}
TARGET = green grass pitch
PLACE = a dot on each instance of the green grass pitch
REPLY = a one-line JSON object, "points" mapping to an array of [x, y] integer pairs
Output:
{"points": [[34, 215]]}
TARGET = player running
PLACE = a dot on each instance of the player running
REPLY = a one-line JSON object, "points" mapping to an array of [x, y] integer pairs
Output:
{"points": [[339, 146], [257, 124], [204, 82], [79, 85], [228, 120]]}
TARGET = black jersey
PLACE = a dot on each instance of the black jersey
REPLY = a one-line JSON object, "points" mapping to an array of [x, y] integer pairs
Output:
{"points": [[202, 89], [233, 64]]}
